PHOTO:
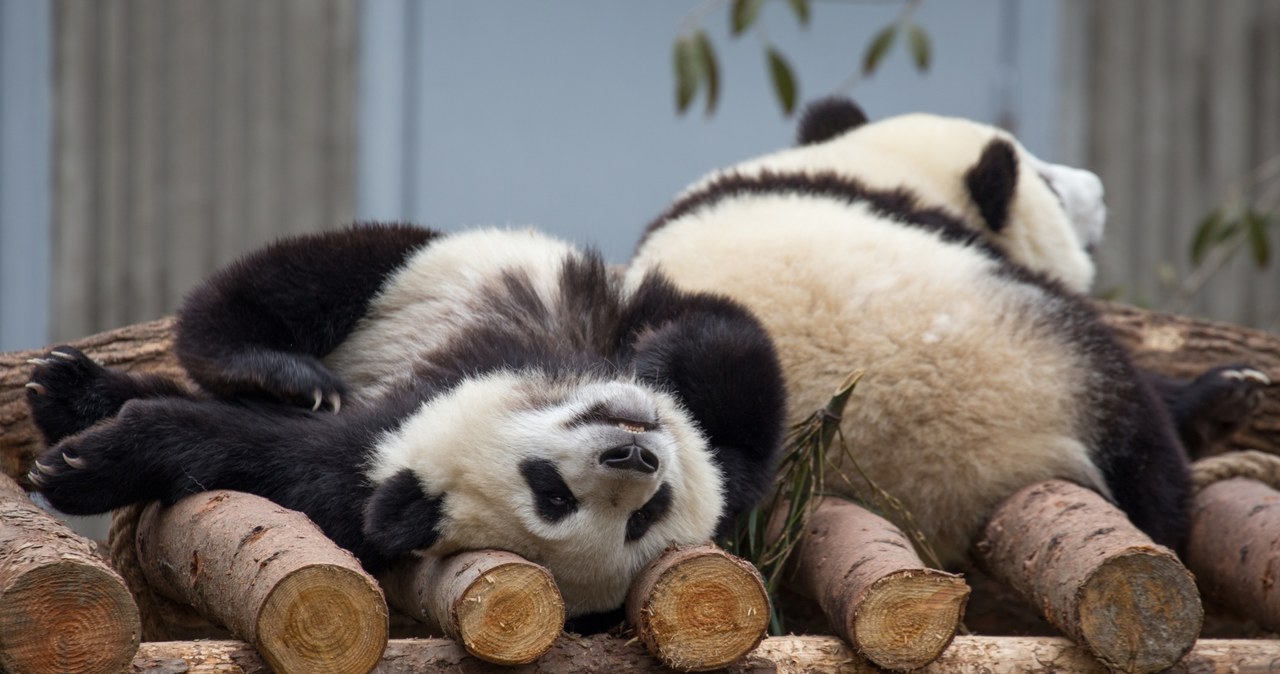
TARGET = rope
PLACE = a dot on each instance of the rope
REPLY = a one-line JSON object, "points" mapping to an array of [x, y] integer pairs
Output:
{"points": [[1249, 463]]}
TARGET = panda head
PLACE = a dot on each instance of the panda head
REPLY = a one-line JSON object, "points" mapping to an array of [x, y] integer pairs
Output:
{"points": [[591, 477], [1047, 217]]}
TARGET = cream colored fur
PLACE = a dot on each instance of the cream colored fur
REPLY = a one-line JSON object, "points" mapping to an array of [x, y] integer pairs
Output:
{"points": [[931, 154], [527, 415], [966, 398]]}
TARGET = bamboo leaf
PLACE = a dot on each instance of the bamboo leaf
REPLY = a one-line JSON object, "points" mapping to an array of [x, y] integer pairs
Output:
{"points": [[1205, 235], [743, 15], [878, 48], [710, 70], [784, 81], [921, 50], [801, 9], [688, 72], [1255, 225]]}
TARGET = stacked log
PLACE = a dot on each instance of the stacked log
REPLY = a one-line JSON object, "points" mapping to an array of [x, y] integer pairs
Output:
{"points": [[62, 610], [501, 607], [779, 655], [873, 588], [698, 608], [270, 576], [1096, 577]]}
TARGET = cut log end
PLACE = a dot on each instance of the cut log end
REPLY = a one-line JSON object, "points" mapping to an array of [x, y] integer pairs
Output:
{"points": [[699, 608], [906, 619], [1140, 611], [323, 619], [67, 617], [510, 615]]}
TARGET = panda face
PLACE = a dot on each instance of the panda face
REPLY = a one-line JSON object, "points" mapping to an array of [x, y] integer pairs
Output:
{"points": [[591, 478]]}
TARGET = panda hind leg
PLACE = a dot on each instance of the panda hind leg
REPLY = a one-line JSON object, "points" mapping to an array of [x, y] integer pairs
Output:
{"points": [[1210, 408], [69, 392]]}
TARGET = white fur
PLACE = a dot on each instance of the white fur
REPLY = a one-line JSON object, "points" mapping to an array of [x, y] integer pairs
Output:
{"points": [[965, 398], [469, 443], [439, 292]]}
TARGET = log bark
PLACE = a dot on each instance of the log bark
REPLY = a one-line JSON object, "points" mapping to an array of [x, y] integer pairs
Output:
{"points": [[1096, 577], [1234, 548], [145, 348], [270, 576], [1180, 346], [501, 607], [698, 608], [62, 610], [1169, 344], [776, 655], [874, 589]]}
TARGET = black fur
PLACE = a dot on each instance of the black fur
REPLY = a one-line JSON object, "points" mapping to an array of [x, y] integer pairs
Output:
{"points": [[827, 118], [1209, 409], [554, 500], [649, 514], [992, 182], [253, 336]]}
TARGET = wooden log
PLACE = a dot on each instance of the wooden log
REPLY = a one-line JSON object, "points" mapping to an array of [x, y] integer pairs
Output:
{"points": [[1183, 347], [1234, 548], [62, 610], [501, 607], [1095, 577], [874, 589], [698, 608], [1173, 345], [270, 576], [777, 655], [144, 348]]}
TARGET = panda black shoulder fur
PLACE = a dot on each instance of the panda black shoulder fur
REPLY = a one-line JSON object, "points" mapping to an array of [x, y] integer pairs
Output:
{"points": [[417, 392], [946, 261]]}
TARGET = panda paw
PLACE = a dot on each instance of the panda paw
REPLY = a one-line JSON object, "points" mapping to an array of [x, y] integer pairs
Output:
{"points": [[1217, 403], [291, 379], [86, 474], [69, 392]]}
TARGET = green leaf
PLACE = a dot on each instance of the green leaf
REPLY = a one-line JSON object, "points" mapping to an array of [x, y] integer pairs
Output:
{"points": [[743, 15], [801, 9], [688, 72], [1255, 225], [710, 70], [1206, 235], [878, 48], [921, 50], [784, 81]]}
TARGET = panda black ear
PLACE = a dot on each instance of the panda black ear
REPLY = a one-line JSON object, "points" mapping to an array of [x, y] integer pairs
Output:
{"points": [[401, 517], [827, 118], [992, 182]]}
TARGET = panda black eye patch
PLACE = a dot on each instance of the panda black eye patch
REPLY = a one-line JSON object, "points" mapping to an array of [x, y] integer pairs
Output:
{"points": [[551, 496], [649, 514]]}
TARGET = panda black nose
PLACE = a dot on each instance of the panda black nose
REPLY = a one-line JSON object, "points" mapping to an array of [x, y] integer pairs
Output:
{"points": [[630, 457]]}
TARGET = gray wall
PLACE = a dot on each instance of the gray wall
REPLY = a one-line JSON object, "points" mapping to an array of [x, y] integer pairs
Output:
{"points": [[561, 114], [25, 43]]}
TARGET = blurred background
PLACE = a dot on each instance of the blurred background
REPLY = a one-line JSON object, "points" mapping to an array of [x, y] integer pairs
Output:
{"points": [[145, 142]]}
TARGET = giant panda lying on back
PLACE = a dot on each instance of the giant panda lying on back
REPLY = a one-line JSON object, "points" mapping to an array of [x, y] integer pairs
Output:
{"points": [[414, 392], [947, 262]]}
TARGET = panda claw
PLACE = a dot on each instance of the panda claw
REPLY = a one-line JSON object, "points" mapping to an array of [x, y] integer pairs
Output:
{"points": [[75, 461], [35, 478], [63, 355], [39, 362], [335, 401], [44, 470], [319, 400], [38, 388], [1256, 376]]}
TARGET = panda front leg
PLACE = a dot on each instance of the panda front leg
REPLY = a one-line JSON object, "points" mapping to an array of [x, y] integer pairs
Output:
{"points": [[1211, 407], [69, 392], [260, 327]]}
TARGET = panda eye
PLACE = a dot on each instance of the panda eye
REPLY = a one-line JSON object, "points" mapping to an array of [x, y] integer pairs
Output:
{"points": [[639, 521], [552, 498], [557, 500]]}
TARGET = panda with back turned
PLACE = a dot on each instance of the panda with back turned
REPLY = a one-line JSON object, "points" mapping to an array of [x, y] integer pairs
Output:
{"points": [[946, 261], [421, 393]]}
